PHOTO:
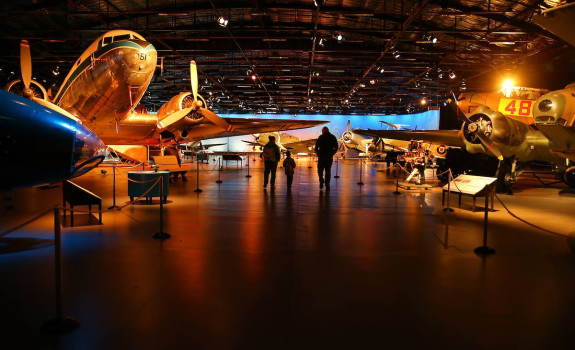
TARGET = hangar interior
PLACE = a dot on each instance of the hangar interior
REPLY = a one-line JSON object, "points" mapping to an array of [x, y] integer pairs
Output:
{"points": [[364, 264]]}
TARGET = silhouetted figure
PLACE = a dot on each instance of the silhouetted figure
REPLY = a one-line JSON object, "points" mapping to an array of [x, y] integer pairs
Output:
{"points": [[325, 147], [271, 156], [289, 167]]}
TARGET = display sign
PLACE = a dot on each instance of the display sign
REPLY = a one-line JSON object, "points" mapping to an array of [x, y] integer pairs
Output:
{"points": [[517, 108], [469, 184]]}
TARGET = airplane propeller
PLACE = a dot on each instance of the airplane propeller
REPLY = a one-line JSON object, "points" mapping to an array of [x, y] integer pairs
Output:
{"points": [[209, 115], [474, 128], [26, 67]]}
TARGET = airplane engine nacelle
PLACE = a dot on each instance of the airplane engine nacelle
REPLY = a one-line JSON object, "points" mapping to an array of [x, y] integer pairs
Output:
{"points": [[557, 107], [495, 126], [17, 87], [175, 104]]}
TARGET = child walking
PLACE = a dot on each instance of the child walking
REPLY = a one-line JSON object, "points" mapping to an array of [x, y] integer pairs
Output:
{"points": [[289, 166]]}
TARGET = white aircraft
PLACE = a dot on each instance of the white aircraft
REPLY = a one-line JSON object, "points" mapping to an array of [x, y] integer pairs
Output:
{"points": [[108, 81]]}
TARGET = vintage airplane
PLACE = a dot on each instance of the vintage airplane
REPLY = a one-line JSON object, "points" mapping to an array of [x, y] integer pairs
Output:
{"points": [[109, 79], [373, 147], [285, 141], [554, 115], [490, 133], [40, 145]]}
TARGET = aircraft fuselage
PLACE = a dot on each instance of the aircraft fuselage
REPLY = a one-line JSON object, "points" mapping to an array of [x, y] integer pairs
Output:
{"points": [[106, 84]]}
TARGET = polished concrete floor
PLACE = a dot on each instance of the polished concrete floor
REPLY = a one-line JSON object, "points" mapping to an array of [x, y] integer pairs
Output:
{"points": [[352, 268]]}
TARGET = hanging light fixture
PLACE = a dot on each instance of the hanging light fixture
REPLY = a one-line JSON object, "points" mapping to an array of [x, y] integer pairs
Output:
{"points": [[222, 21]]}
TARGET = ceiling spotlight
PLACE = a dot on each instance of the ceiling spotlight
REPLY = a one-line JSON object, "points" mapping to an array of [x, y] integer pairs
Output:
{"points": [[381, 69], [372, 81], [423, 101], [254, 77], [361, 85], [316, 74], [346, 100], [452, 75], [318, 2], [338, 37], [433, 40], [321, 42], [440, 75], [396, 54], [55, 71], [311, 91], [222, 21]]}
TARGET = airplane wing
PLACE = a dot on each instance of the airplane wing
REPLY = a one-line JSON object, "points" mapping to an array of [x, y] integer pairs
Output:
{"points": [[251, 143], [248, 126], [443, 137], [559, 21]]}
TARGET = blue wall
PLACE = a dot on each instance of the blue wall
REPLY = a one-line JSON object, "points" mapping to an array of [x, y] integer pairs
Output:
{"points": [[428, 120]]}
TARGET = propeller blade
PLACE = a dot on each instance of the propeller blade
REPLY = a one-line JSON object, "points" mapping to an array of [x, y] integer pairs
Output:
{"points": [[490, 145], [458, 111], [25, 63], [194, 79], [216, 119], [348, 122], [174, 117]]}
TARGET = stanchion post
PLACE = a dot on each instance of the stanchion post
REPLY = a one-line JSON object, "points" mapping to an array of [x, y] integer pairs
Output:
{"points": [[114, 206], [484, 250], [248, 175], [396, 192], [219, 171], [61, 324], [360, 172], [197, 190], [161, 234], [449, 179], [336, 168]]}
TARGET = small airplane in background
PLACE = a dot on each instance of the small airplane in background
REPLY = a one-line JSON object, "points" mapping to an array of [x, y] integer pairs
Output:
{"points": [[374, 147], [285, 142], [110, 78], [42, 146]]}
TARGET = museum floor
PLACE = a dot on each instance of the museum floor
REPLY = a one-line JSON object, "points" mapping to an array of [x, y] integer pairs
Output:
{"points": [[352, 268]]}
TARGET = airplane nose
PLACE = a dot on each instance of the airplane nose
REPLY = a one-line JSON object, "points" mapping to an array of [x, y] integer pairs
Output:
{"points": [[88, 151]]}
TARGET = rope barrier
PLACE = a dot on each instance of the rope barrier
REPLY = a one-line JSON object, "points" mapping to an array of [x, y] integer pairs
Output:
{"points": [[208, 171], [527, 222], [29, 221]]}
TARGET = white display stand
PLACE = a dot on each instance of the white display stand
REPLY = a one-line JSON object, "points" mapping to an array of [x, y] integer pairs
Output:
{"points": [[469, 185]]}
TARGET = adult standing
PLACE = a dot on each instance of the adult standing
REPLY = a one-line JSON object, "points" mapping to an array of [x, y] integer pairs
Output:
{"points": [[325, 147], [271, 156]]}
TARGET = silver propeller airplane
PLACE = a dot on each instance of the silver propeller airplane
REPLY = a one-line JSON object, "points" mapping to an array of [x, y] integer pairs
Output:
{"points": [[110, 78]]}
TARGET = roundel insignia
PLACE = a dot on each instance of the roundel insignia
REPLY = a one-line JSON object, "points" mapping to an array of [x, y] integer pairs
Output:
{"points": [[441, 150]]}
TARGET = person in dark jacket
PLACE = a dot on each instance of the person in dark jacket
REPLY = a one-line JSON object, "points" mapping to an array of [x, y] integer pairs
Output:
{"points": [[271, 156], [325, 147], [289, 167]]}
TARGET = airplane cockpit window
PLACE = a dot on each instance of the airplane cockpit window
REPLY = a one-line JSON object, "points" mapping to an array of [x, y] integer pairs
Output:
{"points": [[121, 37], [106, 40]]}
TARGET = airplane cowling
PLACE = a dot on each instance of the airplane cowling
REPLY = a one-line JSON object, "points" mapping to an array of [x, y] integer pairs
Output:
{"points": [[499, 129], [17, 87], [175, 104]]}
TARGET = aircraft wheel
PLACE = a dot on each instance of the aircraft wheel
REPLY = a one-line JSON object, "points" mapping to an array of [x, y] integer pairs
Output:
{"points": [[569, 176]]}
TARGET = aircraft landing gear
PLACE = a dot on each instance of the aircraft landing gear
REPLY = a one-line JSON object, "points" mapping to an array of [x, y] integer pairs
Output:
{"points": [[569, 176]]}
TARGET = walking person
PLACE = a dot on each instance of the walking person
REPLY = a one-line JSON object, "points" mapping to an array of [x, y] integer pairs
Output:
{"points": [[271, 156], [289, 166], [325, 147]]}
